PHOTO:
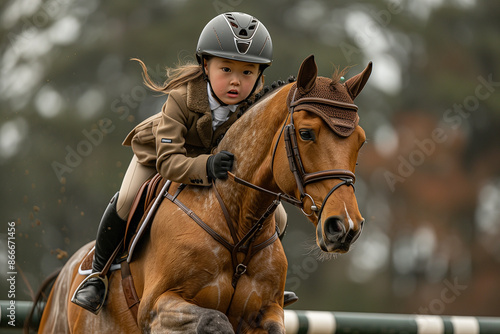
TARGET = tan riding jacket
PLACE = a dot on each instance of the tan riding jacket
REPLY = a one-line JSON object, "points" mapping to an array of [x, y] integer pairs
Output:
{"points": [[179, 139]]}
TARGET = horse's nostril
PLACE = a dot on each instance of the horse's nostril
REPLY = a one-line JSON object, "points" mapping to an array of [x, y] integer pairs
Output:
{"points": [[334, 229]]}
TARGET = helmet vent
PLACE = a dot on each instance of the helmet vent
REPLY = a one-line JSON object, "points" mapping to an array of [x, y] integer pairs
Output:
{"points": [[245, 30], [242, 46], [232, 21], [253, 24]]}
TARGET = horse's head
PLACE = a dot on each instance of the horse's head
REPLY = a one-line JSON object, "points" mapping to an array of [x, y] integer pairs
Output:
{"points": [[322, 140]]}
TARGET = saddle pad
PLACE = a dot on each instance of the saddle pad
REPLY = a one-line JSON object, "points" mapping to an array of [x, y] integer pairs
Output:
{"points": [[85, 268]]}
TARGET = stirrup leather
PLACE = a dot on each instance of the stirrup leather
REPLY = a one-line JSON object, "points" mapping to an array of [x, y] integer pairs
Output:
{"points": [[104, 280]]}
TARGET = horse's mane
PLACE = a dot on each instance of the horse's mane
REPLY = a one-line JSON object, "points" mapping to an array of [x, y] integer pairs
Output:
{"points": [[264, 92], [337, 77]]}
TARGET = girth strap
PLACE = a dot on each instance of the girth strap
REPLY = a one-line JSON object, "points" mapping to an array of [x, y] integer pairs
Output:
{"points": [[129, 290]]}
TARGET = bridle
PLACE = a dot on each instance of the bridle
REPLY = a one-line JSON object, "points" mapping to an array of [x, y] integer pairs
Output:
{"points": [[302, 178]]}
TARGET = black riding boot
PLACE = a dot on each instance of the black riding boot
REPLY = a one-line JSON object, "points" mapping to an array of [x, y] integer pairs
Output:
{"points": [[91, 293]]}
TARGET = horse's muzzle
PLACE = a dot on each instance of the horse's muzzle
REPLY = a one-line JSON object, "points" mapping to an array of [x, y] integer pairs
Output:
{"points": [[333, 236]]}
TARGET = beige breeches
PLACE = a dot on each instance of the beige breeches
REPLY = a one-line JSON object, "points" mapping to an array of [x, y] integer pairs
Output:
{"points": [[134, 178]]}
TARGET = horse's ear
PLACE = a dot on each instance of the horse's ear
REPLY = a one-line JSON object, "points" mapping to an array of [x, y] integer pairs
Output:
{"points": [[355, 84], [306, 79]]}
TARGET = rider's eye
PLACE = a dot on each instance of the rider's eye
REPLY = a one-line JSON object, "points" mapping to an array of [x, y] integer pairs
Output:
{"points": [[307, 134]]}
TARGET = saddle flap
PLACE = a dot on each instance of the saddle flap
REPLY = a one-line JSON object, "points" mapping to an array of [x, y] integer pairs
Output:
{"points": [[149, 195], [145, 196], [87, 261], [143, 200], [85, 268]]}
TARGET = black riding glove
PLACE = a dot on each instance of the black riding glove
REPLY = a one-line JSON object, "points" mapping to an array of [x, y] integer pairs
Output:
{"points": [[219, 164]]}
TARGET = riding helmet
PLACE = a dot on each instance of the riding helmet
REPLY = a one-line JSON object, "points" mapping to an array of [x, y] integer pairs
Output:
{"points": [[236, 36]]}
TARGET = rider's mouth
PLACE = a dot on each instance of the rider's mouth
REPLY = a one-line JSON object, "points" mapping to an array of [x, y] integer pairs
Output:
{"points": [[232, 93]]}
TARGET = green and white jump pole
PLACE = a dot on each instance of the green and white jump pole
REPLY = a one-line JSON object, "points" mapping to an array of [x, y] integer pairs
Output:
{"points": [[322, 322]]}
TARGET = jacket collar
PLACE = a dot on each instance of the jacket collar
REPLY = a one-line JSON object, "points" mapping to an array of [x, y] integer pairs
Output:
{"points": [[197, 101], [197, 96]]}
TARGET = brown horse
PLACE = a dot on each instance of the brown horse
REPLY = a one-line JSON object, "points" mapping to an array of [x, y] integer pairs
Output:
{"points": [[300, 144]]}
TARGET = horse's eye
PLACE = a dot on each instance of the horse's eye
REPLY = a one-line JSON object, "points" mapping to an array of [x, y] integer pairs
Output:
{"points": [[307, 134]]}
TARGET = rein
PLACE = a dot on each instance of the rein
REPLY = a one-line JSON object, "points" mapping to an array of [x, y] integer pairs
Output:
{"points": [[279, 196]]}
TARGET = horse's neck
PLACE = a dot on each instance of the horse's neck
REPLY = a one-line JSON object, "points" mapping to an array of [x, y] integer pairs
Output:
{"points": [[251, 141]]}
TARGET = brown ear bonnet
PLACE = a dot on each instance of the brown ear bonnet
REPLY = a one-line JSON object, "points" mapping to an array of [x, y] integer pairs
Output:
{"points": [[332, 101]]}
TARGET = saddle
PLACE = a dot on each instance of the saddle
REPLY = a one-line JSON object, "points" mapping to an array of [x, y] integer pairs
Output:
{"points": [[142, 204]]}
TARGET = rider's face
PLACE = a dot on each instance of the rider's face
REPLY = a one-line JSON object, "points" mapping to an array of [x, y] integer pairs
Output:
{"points": [[232, 81]]}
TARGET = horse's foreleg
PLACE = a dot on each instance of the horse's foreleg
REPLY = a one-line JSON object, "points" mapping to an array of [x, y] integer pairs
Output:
{"points": [[270, 319], [273, 319], [172, 314]]}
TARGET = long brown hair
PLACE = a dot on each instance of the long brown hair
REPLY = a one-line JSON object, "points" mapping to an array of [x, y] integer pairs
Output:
{"points": [[176, 76]]}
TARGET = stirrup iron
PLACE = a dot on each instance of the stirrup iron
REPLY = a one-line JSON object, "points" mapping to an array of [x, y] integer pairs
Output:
{"points": [[104, 280]]}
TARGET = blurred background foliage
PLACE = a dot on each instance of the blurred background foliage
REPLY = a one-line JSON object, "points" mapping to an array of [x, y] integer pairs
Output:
{"points": [[428, 178]]}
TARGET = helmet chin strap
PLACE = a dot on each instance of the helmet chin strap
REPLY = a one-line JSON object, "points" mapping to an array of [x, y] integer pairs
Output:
{"points": [[213, 93], [257, 82]]}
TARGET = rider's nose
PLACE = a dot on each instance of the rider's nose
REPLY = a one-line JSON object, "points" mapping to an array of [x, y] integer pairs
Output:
{"points": [[235, 80]]}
